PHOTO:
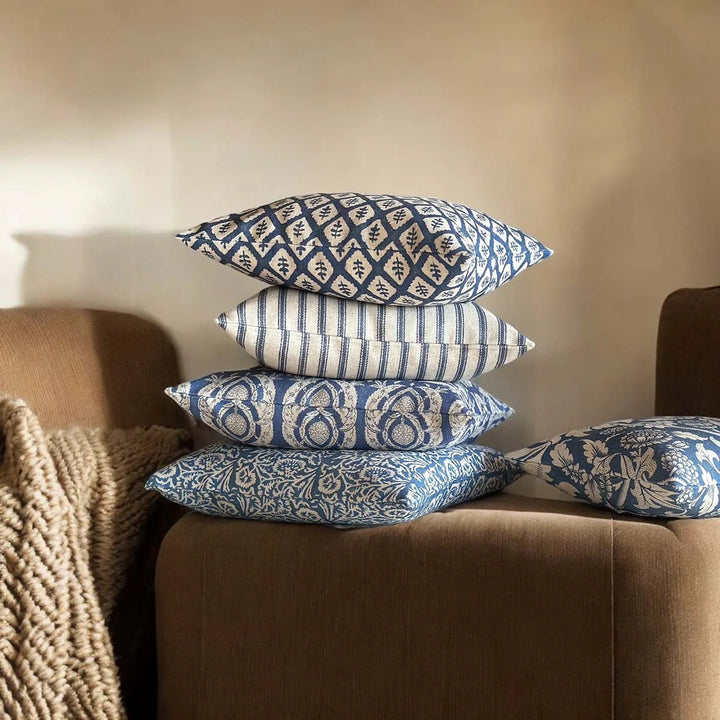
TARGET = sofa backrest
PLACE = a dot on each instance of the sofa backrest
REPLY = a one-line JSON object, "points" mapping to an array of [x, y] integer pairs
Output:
{"points": [[92, 368], [687, 379]]}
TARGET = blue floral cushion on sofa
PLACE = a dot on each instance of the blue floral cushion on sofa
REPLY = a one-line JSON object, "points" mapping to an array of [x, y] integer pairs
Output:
{"points": [[374, 248], [270, 409], [334, 487], [307, 334], [658, 467]]}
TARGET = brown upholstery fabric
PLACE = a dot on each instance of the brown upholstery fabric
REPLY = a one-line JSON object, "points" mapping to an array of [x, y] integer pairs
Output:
{"points": [[103, 369], [666, 599], [495, 609], [91, 368], [688, 354]]}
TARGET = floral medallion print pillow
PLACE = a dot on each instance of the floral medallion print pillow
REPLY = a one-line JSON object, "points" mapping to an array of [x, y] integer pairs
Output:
{"points": [[303, 333], [332, 487], [374, 248], [658, 467], [270, 409]]}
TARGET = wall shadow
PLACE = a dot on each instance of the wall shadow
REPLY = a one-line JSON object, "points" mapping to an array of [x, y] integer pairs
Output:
{"points": [[148, 274]]}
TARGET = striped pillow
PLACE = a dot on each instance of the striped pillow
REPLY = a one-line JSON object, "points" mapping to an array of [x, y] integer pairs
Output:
{"points": [[271, 409], [307, 334]]}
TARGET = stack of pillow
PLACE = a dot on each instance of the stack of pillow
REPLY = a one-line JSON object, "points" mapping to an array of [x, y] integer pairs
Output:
{"points": [[362, 412]]}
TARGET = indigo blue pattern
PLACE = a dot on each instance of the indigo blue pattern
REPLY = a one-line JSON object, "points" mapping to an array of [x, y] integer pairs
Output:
{"points": [[270, 409], [374, 248], [658, 467], [334, 487], [307, 334]]}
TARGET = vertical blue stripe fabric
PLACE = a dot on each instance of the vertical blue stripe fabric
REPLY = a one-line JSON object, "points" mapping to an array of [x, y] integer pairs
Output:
{"points": [[384, 346], [363, 358], [341, 321], [282, 307], [404, 349], [302, 333], [301, 324], [482, 330], [243, 325], [322, 361], [424, 347], [501, 345], [260, 340], [440, 323], [459, 325]]}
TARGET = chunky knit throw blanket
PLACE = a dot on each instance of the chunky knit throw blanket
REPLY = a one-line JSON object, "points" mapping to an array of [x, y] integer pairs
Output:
{"points": [[72, 511]]}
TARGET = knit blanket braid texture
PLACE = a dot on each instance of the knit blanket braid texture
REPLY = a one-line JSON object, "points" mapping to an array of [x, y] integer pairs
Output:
{"points": [[72, 513]]}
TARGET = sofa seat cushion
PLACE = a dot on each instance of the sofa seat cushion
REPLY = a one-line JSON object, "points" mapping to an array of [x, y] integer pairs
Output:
{"points": [[507, 607]]}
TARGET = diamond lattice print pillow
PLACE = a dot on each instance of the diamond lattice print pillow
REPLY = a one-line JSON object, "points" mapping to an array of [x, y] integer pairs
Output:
{"points": [[381, 249]]}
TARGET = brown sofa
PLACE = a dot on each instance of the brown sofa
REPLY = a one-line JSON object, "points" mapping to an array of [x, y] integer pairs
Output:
{"points": [[510, 607]]}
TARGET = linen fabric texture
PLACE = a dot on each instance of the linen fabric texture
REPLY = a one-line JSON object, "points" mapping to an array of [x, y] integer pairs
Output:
{"points": [[665, 467], [382, 249], [270, 409], [333, 487], [303, 333]]}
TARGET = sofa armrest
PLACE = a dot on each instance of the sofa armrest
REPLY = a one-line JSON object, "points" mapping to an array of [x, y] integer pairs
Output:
{"points": [[93, 368], [688, 354], [104, 369]]}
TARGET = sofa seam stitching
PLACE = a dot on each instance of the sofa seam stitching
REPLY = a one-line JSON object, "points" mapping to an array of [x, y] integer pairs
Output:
{"points": [[191, 396], [203, 632], [612, 617]]}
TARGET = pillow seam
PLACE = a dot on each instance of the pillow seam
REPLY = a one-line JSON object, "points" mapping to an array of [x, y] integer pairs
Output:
{"points": [[402, 342], [325, 407]]}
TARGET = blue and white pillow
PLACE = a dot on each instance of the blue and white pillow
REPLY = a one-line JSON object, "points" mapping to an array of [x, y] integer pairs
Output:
{"points": [[373, 248], [333, 487], [658, 467], [270, 409], [302, 333]]}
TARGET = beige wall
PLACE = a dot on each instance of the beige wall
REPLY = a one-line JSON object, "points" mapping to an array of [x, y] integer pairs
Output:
{"points": [[593, 126]]}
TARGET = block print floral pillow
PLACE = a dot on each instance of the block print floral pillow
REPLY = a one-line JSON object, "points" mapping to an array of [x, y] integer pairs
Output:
{"points": [[657, 467]]}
